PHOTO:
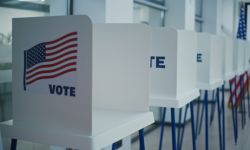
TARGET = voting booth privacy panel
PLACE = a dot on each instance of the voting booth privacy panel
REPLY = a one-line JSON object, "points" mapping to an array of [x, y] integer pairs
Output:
{"points": [[77, 84], [210, 64], [239, 56], [173, 68], [228, 58]]}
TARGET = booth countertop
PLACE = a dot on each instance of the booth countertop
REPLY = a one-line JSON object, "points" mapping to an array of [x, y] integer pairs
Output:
{"points": [[108, 127]]}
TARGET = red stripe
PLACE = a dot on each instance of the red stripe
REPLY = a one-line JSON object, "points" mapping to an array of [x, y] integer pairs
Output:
{"points": [[61, 38], [60, 50], [60, 44], [238, 97], [52, 70], [62, 55], [51, 76], [52, 64]]}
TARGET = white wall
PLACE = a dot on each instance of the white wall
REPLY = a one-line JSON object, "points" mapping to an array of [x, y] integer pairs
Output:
{"points": [[180, 14], [106, 11], [212, 14], [6, 15], [228, 18]]}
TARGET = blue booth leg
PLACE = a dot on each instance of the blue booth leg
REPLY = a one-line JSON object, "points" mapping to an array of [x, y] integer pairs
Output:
{"points": [[248, 95], [202, 114], [232, 110], [236, 107], [223, 117], [179, 143], [193, 127], [162, 127], [179, 129], [141, 136], [213, 107], [197, 117], [114, 146], [13, 144], [219, 117], [206, 120], [241, 101], [173, 129]]}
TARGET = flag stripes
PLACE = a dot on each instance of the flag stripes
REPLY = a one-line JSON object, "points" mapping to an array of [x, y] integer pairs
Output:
{"points": [[51, 59]]}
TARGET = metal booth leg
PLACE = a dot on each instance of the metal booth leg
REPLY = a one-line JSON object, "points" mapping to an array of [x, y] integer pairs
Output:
{"points": [[206, 120], [219, 117], [233, 110], [162, 127], [141, 136], [223, 117], [173, 129], [13, 144], [193, 126]]}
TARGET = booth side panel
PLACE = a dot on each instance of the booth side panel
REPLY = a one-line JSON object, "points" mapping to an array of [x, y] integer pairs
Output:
{"points": [[121, 67], [163, 83], [187, 71], [51, 91], [203, 66]]}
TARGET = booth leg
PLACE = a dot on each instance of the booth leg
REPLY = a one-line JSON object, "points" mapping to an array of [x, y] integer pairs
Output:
{"points": [[213, 107], [13, 144], [162, 127], [248, 95], [202, 114], [206, 120], [219, 116], [223, 117], [173, 129], [114, 146], [179, 128], [232, 110], [183, 129], [236, 107], [192, 124], [197, 117], [141, 135], [241, 102]]}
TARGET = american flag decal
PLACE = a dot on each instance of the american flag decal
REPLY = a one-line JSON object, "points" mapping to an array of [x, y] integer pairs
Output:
{"points": [[51, 59]]}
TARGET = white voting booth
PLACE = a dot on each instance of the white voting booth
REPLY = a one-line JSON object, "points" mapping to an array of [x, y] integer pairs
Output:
{"points": [[97, 94], [173, 68], [239, 58], [228, 58], [209, 61]]}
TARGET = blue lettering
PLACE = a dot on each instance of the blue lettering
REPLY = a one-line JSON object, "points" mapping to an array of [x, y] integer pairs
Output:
{"points": [[157, 61], [62, 90], [151, 60], [72, 91], [59, 90], [199, 57], [160, 62], [52, 89]]}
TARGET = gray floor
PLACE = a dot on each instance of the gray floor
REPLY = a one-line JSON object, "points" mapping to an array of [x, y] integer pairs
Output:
{"points": [[152, 139]]}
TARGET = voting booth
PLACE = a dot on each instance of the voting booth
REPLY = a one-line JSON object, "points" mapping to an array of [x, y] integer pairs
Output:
{"points": [[173, 68], [239, 56], [78, 84], [209, 61], [228, 58]]}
